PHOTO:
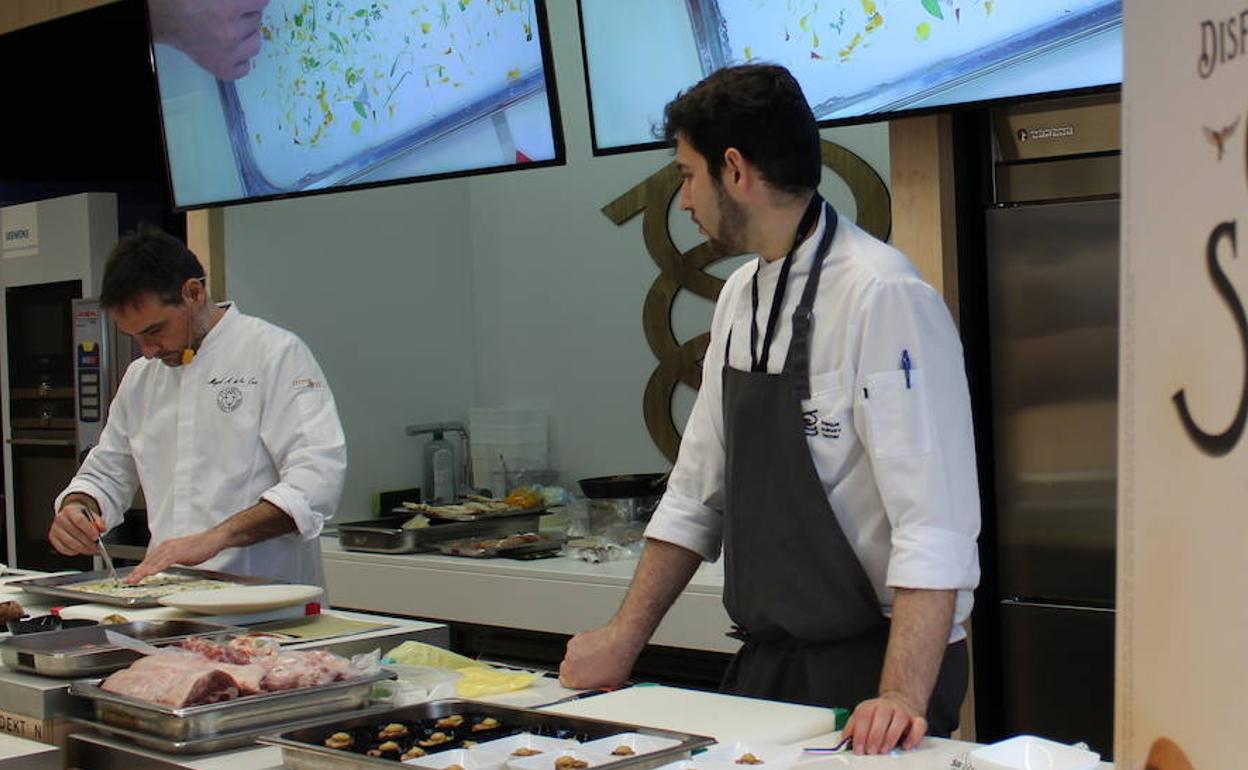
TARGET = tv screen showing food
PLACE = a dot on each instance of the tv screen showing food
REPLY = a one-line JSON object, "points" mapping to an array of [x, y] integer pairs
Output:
{"points": [[857, 60], [272, 98]]}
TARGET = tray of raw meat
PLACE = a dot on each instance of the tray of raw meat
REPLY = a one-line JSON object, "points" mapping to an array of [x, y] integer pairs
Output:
{"points": [[202, 688]]}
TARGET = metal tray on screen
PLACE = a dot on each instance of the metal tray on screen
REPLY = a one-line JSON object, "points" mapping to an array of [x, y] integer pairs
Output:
{"points": [[81, 652], [387, 535], [63, 585], [304, 748], [242, 713]]}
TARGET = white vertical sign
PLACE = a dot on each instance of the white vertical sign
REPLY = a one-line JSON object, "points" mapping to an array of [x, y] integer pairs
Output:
{"points": [[21, 230], [1183, 453]]}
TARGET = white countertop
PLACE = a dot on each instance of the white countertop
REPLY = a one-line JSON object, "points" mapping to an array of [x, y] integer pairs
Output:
{"points": [[932, 753], [558, 595]]}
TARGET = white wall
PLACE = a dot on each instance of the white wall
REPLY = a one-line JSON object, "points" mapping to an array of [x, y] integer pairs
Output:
{"points": [[378, 283], [525, 295]]}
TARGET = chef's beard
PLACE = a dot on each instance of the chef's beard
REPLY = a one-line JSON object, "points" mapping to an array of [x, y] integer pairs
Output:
{"points": [[733, 223]]}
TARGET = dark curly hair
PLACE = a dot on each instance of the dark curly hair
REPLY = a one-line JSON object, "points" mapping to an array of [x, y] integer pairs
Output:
{"points": [[149, 260], [758, 109]]}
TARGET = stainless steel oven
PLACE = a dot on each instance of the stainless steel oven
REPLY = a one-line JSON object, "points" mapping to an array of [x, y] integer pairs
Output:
{"points": [[64, 361]]}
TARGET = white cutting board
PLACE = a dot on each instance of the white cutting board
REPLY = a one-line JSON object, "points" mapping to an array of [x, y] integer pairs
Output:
{"points": [[727, 718]]}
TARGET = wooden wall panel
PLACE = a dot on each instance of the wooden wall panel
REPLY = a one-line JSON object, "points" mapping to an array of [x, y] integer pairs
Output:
{"points": [[15, 14], [924, 221]]}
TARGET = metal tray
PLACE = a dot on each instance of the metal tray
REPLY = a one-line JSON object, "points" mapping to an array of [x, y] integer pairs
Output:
{"points": [[303, 748], [222, 742], [63, 585], [386, 534], [81, 652], [215, 719], [488, 548]]}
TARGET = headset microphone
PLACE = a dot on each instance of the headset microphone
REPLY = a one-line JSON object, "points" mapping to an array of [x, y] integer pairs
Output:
{"points": [[188, 353]]}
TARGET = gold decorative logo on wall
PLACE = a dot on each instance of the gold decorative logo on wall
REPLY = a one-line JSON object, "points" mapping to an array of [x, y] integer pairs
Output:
{"points": [[682, 361]]}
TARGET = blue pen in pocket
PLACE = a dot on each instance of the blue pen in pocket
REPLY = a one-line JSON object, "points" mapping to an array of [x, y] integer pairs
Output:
{"points": [[905, 366]]}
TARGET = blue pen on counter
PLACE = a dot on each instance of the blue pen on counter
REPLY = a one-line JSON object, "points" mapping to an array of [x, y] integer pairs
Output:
{"points": [[905, 366]]}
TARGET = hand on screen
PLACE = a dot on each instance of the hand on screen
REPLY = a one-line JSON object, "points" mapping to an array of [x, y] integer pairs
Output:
{"points": [[221, 36]]}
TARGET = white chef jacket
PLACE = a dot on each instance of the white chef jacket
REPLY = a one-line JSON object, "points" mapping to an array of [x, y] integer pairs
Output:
{"points": [[897, 462], [250, 418]]}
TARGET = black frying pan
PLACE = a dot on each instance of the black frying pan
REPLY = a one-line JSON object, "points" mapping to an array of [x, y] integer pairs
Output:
{"points": [[625, 485]]}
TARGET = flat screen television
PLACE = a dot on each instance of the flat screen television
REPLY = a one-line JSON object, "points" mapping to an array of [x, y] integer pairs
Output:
{"points": [[263, 100], [857, 60]]}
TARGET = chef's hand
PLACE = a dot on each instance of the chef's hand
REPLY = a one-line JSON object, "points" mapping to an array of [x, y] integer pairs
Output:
{"points": [[187, 551], [221, 36], [880, 724], [76, 527], [602, 658]]}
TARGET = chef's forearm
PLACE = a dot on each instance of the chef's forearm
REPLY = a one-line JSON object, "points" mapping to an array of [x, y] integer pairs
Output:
{"points": [[260, 522], [921, 623], [662, 573]]}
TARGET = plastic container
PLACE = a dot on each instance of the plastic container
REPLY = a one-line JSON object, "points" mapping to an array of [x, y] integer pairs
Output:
{"points": [[1027, 752], [506, 441]]}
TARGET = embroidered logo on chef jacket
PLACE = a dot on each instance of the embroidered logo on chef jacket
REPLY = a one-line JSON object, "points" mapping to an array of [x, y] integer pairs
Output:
{"points": [[813, 425], [306, 383], [228, 398]]}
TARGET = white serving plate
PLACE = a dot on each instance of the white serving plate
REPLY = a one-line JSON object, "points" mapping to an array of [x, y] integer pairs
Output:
{"points": [[773, 756], [505, 746], [546, 761], [226, 601], [469, 759], [1027, 752], [640, 744]]}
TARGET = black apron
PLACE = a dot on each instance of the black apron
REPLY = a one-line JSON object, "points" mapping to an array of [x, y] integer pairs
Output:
{"points": [[802, 604]]}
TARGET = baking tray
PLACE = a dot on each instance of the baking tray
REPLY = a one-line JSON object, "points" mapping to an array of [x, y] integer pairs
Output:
{"points": [[304, 749], [63, 585], [222, 742], [215, 719], [386, 534], [82, 652]]}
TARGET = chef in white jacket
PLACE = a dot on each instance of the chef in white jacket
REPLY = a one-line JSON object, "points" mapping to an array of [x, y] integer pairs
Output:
{"points": [[227, 423], [830, 454]]}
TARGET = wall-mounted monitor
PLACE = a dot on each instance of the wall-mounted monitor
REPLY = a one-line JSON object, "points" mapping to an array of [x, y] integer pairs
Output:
{"points": [[857, 60], [289, 97]]}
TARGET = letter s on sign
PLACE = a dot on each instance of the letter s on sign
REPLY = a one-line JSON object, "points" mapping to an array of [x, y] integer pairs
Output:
{"points": [[1221, 444]]}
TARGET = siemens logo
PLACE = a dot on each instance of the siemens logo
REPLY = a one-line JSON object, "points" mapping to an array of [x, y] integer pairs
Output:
{"points": [[1054, 132], [20, 234]]}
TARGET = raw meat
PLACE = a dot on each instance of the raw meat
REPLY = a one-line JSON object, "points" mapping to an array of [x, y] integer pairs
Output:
{"points": [[204, 671], [173, 679]]}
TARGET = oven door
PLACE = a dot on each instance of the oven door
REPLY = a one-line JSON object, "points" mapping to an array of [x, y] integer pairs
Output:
{"points": [[43, 464]]}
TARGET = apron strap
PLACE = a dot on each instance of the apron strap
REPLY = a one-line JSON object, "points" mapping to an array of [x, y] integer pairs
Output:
{"points": [[797, 362]]}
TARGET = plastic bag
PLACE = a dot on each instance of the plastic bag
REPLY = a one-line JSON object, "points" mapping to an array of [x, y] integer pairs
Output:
{"points": [[416, 684], [421, 654]]}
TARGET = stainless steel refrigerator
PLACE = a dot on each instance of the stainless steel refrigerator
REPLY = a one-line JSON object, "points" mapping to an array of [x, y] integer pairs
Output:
{"points": [[1051, 278]]}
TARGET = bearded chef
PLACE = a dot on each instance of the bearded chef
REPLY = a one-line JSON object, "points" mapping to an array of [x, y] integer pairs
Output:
{"points": [[830, 452], [226, 422]]}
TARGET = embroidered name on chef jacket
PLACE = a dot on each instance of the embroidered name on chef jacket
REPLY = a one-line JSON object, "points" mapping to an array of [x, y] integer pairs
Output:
{"points": [[814, 426], [229, 394]]}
